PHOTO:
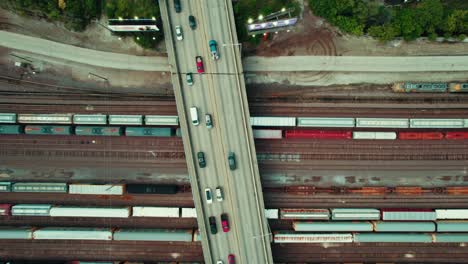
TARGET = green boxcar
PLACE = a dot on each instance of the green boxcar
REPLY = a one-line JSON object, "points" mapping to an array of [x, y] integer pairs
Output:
{"points": [[15, 233], [5, 186], [10, 129], [98, 131], [148, 131], [40, 187], [125, 119], [395, 237], [160, 120], [425, 87], [451, 238], [452, 226], [154, 235], [7, 118], [333, 226], [48, 130], [90, 119], [404, 226], [325, 122]]}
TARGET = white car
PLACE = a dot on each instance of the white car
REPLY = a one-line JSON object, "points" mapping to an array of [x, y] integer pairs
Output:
{"points": [[209, 196], [178, 32], [219, 262], [219, 194]]}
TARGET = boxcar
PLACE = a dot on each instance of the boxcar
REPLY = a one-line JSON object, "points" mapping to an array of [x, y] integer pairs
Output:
{"points": [[410, 87], [452, 226], [48, 130], [39, 187], [11, 130], [408, 214], [125, 119], [382, 122], [374, 135], [45, 118], [394, 237], [267, 133], [178, 132], [151, 189], [272, 213], [153, 235], [79, 233], [325, 122], [161, 120], [5, 186], [332, 226], [288, 237], [90, 119], [451, 238], [196, 235], [420, 135], [189, 213], [5, 209], [382, 226], [318, 134], [273, 121], [458, 87], [436, 123], [151, 211], [106, 189], [316, 214], [355, 214], [77, 211], [148, 132], [15, 233], [465, 123], [98, 131], [451, 213], [31, 209], [7, 118], [456, 135]]}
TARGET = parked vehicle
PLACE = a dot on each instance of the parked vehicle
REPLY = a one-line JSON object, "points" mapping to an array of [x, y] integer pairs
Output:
{"points": [[209, 123], [214, 49], [225, 223], [177, 6], [200, 67], [213, 227], [192, 22], [178, 32], [189, 78], [219, 194], [201, 159], [209, 196], [232, 161]]}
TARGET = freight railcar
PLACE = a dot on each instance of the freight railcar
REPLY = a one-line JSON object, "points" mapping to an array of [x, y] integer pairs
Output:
{"points": [[451, 213], [420, 135], [382, 122], [408, 214], [7, 118], [31, 209], [273, 121], [16, 233], [333, 226], [295, 213], [151, 189], [436, 123], [456, 135], [272, 213], [374, 135], [97, 189], [48, 130], [452, 226], [39, 187], [189, 213], [153, 235], [45, 118], [90, 119], [355, 214], [160, 120], [458, 88], [11, 130], [125, 119], [325, 122], [74, 233], [77, 211], [392, 238], [5, 186], [382, 226], [267, 133], [152, 211], [5, 209], [98, 131], [318, 134], [289, 237], [148, 132], [412, 87]]}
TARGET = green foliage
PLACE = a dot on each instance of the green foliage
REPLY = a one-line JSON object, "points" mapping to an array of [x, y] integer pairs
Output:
{"points": [[132, 8], [461, 37], [384, 33]]}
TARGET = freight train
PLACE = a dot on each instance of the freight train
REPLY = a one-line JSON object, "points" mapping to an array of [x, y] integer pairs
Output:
{"points": [[425, 87]]}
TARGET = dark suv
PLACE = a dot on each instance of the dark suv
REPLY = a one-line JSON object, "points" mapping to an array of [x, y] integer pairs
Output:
{"points": [[177, 6], [192, 23], [232, 161], [201, 159], [213, 228]]}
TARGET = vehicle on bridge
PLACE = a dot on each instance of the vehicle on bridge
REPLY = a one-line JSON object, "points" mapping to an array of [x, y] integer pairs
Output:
{"points": [[231, 259], [177, 6], [194, 115], [209, 122], [213, 227], [232, 161], [201, 159], [209, 196], [219, 194], [189, 78], [178, 32], [225, 223], [214, 49], [200, 67], [192, 22]]}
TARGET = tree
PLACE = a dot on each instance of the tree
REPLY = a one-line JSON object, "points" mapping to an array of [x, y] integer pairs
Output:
{"points": [[384, 33]]}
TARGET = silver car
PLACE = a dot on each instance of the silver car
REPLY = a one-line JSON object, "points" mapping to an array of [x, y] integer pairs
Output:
{"points": [[178, 32], [209, 122]]}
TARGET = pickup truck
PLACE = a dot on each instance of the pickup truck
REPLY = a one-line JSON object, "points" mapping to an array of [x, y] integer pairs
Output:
{"points": [[214, 49]]}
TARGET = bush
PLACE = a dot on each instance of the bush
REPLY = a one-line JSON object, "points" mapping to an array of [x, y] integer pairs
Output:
{"points": [[461, 37]]}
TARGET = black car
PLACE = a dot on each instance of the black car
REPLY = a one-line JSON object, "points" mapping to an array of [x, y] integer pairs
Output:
{"points": [[201, 159], [213, 227], [177, 6], [192, 22], [232, 161]]}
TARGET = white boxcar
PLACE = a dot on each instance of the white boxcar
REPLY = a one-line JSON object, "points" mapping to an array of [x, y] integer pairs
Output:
{"points": [[161, 120], [374, 135], [77, 211], [76, 233], [39, 187], [268, 133], [355, 214], [151, 211], [189, 213], [325, 122], [383, 122], [436, 123], [125, 119], [154, 235], [108, 189], [465, 123], [15, 233], [90, 119], [7, 118], [316, 214], [272, 213], [285, 237], [273, 121], [451, 213], [31, 209], [45, 118], [333, 226]]}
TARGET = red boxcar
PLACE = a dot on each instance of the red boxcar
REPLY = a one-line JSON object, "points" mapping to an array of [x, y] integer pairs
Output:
{"points": [[319, 134], [420, 135], [5, 209], [456, 135]]}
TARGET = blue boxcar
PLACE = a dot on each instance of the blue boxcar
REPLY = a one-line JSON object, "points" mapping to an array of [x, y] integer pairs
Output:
{"points": [[154, 235], [98, 131], [148, 131], [409, 87], [452, 226], [451, 238], [395, 237], [404, 226], [48, 130], [333, 226], [10, 129]]}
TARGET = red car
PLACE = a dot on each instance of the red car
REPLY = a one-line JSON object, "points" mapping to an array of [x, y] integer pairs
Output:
{"points": [[231, 259], [225, 223], [199, 61]]}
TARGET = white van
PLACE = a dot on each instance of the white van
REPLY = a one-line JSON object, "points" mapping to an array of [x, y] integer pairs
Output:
{"points": [[194, 115]]}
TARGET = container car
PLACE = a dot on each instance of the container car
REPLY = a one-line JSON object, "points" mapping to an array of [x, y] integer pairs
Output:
{"points": [[412, 87], [289, 237], [382, 226], [456, 135], [451, 213], [39, 187], [420, 135], [316, 214], [15, 233], [98, 131], [148, 131], [75, 233], [125, 119], [97, 189], [80, 211], [153, 235], [31, 209], [48, 130], [374, 135], [151, 211], [451, 238], [5, 186], [267, 133], [325, 122], [273, 121], [196, 235], [189, 213], [458, 87], [382, 122], [355, 214], [90, 119], [318, 134], [179, 132], [452, 226], [333, 226], [151, 189], [272, 213], [161, 120], [11, 129], [436, 123], [7, 118], [465, 123], [408, 214], [45, 118], [392, 237], [5, 209]]}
